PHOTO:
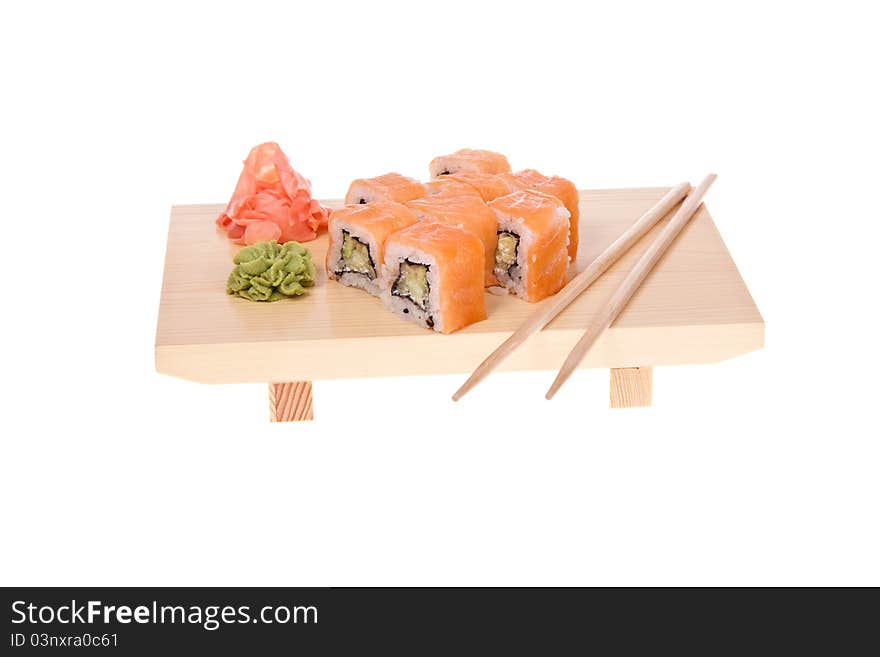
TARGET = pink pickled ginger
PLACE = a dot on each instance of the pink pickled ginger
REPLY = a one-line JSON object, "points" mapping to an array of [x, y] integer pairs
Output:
{"points": [[271, 201]]}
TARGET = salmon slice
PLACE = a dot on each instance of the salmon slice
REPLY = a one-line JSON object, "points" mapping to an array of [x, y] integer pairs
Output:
{"points": [[388, 187], [470, 160], [488, 185], [446, 186]]}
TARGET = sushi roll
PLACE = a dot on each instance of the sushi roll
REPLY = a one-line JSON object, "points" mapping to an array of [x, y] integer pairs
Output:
{"points": [[389, 187], [561, 188], [467, 212], [532, 256], [433, 276], [470, 160], [357, 242]]}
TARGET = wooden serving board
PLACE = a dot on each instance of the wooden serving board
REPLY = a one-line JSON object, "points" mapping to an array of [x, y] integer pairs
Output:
{"points": [[693, 308]]}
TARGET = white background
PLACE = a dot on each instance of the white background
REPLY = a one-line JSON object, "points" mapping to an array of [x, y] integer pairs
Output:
{"points": [[760, 470]]}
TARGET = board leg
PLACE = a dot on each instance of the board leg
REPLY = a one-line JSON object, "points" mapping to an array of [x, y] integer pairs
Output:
{"points": [[631, 386], [290, 402]]}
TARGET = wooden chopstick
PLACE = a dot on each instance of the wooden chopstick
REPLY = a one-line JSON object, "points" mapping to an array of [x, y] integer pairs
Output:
{"points": [[631, 283], [557, 303]]}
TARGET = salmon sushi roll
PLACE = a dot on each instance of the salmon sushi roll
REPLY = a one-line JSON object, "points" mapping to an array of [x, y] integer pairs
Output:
{"points": [[470, 160], [389, 187], [357, 242], [433, 276], [467, 212], [562, 189], [532, 256]]}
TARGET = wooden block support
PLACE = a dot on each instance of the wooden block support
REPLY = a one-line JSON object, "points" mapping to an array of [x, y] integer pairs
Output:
{"points": [[631, 386], [290, 402]]}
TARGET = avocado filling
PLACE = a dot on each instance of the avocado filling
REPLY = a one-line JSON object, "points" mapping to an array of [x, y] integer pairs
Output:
{"points": [[506, 251], [412, 283], [356, 257]]}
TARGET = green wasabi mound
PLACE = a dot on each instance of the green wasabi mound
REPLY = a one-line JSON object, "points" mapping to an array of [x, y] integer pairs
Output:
{"points": [[268, 271]]}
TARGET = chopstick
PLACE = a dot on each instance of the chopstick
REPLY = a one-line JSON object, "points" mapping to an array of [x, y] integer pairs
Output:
{"points": [[631, 283], [557, 303]]}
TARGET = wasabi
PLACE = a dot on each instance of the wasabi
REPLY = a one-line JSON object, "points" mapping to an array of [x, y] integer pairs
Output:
{"points": [[268, 271]]}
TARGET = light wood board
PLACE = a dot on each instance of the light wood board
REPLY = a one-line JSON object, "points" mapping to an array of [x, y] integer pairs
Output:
{"points": [[693, 308]]}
